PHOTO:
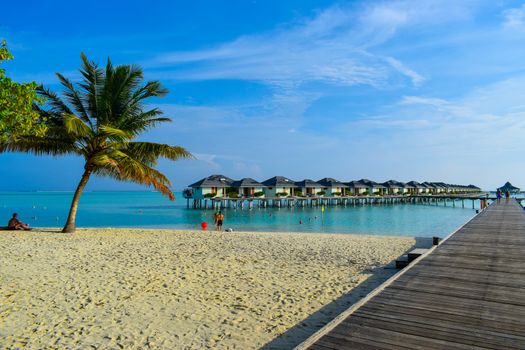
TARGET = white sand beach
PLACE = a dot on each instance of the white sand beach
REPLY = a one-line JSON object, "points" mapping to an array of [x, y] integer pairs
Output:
{"points": [[166, 289]]}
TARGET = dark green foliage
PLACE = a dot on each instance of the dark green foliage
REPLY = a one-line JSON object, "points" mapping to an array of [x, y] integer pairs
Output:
{"points": [[18, 117]]}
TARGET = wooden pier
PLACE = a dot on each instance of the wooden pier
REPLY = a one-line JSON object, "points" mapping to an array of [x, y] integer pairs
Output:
{"points": [[460, 200], [468, 293]]}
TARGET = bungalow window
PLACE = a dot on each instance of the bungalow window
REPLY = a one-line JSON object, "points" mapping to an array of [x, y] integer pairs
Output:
{"points": [[214, 190]]}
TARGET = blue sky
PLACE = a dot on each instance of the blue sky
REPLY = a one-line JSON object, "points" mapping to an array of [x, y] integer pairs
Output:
{"points": [[407, 90]]}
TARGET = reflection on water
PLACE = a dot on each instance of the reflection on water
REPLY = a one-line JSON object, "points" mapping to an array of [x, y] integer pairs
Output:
{"points": [[149, 209]]}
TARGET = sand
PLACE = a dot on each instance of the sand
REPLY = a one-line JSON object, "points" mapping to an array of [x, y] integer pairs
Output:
{"points": [[162, 289]]}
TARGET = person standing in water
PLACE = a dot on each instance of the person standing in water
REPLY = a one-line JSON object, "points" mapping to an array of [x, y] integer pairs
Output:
{"points": [[215, 220], [220, 220]]}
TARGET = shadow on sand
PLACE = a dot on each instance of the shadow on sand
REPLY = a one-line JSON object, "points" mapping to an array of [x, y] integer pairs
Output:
{"points": [[307, 327]]}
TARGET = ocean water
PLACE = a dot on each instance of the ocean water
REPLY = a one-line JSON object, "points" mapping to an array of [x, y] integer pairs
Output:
{"points": [[152, 210]]}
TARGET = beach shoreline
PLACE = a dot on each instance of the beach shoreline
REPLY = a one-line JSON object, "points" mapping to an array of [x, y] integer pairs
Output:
{"points": [[158, 288]]}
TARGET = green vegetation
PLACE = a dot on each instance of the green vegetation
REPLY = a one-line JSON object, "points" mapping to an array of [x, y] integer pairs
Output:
{"points": [[336, 193], [232, 194], [258, 194], [281, 194], [210, 195], [99, 119], [321, 193], [17, 115], [297, 192]]}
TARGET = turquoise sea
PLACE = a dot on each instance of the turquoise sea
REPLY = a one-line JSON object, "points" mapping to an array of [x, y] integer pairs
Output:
{"points": [[150, 209]]}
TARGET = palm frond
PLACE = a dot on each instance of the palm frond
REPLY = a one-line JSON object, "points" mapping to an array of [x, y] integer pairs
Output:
{"points": [[114, 134], [39, 146], [150, 152], [74, 98], [144, 121], [76, 127], [130, 169], [93, 83], [57, 105]]}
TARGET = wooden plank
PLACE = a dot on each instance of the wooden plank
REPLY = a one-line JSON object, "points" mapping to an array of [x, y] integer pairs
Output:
{"points": [[480, 322], [353, 330], [456, 306], [510, 279], [436, 331], [469, 293]]}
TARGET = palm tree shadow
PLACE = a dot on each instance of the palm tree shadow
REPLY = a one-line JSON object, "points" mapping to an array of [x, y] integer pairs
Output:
{"points": [[48, 230], [307, 327]]}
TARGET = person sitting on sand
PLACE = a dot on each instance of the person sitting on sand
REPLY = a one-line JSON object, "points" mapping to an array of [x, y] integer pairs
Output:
{"points": [[15, 224]]}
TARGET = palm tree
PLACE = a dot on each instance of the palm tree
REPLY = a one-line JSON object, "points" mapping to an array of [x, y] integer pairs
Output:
{"points": [[99, 119]]}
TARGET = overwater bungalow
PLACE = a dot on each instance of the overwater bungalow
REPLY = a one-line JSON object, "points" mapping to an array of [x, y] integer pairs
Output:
{"points": [[211, 186], [374, 188], [416, 188], [309, 188], [274, 191], [509, 187], [333, 187], [473, 188], [357, 188], [456, 188], [432, 188], [278, 186], [409, 189], [394, 187], [248, 187], [443, 187]]}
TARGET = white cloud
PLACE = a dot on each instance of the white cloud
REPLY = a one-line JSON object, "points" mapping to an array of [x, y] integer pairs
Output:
{"points": [[333, 47], [210, 159], [489, 120], [514, 18], [416, 78]]}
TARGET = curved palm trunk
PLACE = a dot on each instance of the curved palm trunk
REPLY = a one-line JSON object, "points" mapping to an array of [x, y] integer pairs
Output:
{"points": [[70, 223]]}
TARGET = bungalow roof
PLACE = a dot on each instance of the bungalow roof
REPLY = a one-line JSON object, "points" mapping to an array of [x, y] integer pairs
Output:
{"points": [[415, 184], [508, 187], [308, 183], [331, 182], [246, 182], [280, 181], [357, 184], [213, 181], [394, 184], [429, 185], [372, 184]]}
